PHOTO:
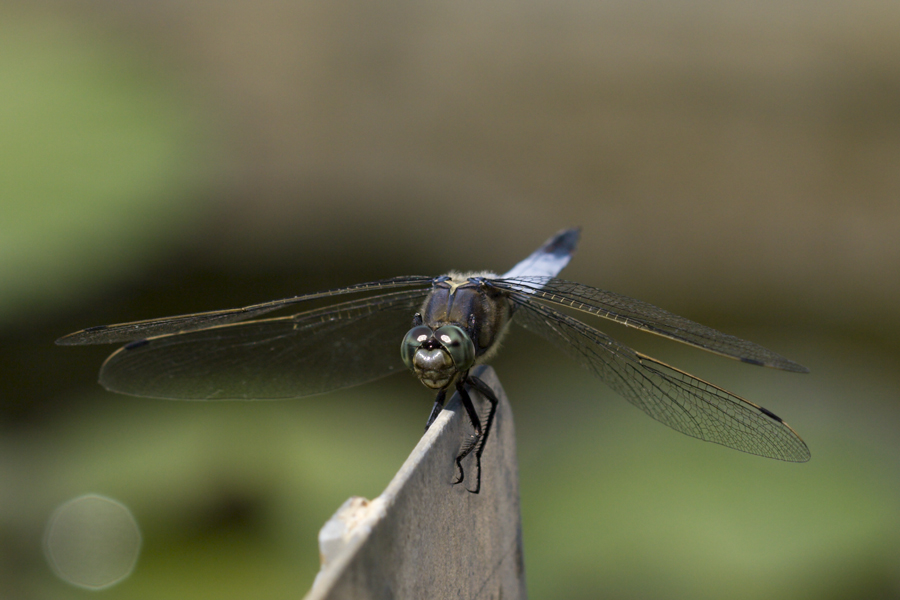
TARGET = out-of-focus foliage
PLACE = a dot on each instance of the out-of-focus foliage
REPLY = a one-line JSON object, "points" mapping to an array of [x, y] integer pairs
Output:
{"points": [[99, 161]]}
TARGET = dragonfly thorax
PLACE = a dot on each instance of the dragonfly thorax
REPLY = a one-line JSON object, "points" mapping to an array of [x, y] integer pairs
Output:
{"points": [[464, 300], [461, 323]]}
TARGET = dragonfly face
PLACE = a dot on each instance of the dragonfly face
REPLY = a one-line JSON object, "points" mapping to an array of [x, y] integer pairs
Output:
{"points": [[460, 324], [438, 356], [459, 320]]}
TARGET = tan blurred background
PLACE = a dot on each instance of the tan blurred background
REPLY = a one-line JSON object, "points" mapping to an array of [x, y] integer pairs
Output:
{"points": [[737, 163]]}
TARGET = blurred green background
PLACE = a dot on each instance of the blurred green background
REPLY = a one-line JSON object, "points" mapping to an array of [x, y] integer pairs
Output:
{"points": [[737, 163]]}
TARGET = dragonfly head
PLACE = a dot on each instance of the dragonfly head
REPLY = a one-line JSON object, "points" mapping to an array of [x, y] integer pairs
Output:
{"points": [[436, 356]]}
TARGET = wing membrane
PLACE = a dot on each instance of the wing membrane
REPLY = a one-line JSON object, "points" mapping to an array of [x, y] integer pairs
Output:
{"points": [[645, 316], [309, 353], [138, 330], [672, 397]]}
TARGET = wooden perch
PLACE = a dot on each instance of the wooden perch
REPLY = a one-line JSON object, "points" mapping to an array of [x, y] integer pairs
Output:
{"points": [[425, 537]]}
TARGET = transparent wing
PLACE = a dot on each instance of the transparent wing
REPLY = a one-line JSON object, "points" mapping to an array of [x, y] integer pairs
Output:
{"points": [[645, 316], [672, 397], [309, 353], [138, 330]]}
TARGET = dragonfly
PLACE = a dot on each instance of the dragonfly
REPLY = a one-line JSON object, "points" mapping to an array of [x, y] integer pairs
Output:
{"points": [[442, 326]]}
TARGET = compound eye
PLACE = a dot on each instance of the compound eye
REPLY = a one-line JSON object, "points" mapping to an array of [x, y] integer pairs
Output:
{"points": [[412, 341], [458, 344]]}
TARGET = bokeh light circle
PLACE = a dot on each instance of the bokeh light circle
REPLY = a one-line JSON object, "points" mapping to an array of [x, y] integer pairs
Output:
{"points": [[92, 541]]}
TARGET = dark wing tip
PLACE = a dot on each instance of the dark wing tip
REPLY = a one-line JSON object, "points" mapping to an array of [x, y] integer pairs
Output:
{"points": [[780, 363], [801, 454], [135, 344], [771, 415]]}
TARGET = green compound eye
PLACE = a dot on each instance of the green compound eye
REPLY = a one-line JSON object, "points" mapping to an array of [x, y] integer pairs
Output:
{"points": [[458, 344], [413, 340]]}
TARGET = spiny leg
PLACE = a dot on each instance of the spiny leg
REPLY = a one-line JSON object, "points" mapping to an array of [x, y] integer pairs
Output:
{"points": [[485, 390], [479, 439], [438, 407], [472, 441], [480, 443]]}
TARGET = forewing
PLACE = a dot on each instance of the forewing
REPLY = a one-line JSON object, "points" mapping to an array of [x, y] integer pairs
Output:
{"points": [[138, 330], [672, 397], [308, 353], [645, 316]]}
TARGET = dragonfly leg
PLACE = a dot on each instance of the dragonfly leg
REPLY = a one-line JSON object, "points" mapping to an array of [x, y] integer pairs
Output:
{"points": [[438, 407], [472, 441], [477, 441]]}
